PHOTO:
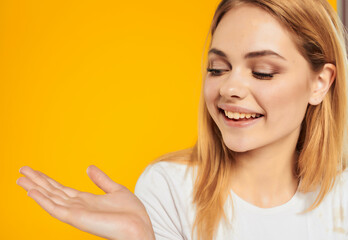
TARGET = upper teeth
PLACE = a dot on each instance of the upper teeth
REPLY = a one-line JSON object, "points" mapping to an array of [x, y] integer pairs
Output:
{"points": [[236, 115]]}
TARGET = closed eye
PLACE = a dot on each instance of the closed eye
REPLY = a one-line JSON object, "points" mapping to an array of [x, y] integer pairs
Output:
{"points": [[216, 72], [263, 76]]}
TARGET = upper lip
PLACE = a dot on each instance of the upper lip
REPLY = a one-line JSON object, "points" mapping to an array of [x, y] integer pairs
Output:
{"points": [[237, 109]]}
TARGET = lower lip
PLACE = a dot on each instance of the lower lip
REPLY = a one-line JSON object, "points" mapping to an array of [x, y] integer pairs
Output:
{"points": [[240, 123]]}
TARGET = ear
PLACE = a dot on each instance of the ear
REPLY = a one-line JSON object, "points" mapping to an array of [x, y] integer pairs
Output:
{"points": [[322, 82]]}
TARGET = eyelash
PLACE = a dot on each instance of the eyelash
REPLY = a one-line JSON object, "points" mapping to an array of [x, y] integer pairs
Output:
{"points": [[215, 72], [263, 76]]}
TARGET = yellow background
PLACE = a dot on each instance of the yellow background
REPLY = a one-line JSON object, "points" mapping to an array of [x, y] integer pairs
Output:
{"points": [[110, 83]]}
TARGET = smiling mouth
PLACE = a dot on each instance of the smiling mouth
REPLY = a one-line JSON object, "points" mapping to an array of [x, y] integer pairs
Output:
{"points": [[239, 117]]}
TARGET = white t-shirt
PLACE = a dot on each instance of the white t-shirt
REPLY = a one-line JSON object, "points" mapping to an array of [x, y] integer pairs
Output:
{"points": [[166, 193]]}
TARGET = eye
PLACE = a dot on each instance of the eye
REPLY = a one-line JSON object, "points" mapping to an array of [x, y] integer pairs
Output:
{"points": [[263, 76], [216, 72]]}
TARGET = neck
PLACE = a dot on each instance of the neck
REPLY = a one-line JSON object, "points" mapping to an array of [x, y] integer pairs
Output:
{"points": [[265, 177]]}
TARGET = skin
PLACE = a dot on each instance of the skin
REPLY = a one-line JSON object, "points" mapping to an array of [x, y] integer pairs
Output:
{"points": [[118, 214], [265, 151]]}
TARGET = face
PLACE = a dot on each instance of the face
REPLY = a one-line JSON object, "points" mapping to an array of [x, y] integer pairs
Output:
{"points": [[257, 76]]}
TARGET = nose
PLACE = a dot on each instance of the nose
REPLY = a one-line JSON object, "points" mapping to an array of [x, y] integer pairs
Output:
{"points": [[233, 87]]}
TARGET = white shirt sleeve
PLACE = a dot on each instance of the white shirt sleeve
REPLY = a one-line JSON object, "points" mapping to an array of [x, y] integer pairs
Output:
{"points": [[154, 190]]}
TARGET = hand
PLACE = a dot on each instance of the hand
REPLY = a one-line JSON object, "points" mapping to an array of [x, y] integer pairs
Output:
{"points": [[118, 214]]}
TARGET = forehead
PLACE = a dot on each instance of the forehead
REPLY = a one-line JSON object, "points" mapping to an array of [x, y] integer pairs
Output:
{"points": [[249, 28]]}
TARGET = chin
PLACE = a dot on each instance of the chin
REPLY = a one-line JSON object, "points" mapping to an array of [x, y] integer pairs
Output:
{"points": [[238, 146]]}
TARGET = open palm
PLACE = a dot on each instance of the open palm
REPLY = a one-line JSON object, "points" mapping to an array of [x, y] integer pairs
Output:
{"points": [[118, 214]]}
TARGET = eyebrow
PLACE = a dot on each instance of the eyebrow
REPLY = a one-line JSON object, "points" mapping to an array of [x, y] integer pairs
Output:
{"points": [[249, 55]]}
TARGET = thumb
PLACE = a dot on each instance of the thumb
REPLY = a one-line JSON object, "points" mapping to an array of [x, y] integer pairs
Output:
{"points": [[102, 180]]}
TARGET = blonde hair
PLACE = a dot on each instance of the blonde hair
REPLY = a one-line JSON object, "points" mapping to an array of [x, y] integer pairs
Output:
{"points": [[320, 38]]}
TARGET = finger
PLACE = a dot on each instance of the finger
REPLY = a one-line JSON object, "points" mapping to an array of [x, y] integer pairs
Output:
{"points": [[40, 180], [28, 185], [35, 177], [66, 190], [52, 188], [25, 183], [102, 180], [54, 209]]}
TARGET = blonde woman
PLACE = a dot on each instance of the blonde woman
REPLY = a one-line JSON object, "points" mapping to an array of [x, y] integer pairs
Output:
{"points": [[268, 162]]}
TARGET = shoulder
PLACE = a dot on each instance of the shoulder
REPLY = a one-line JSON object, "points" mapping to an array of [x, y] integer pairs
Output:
{"points": [[332, 213], [341, 185], [341, 180], [164, 174], [336, 200], [166, 167], [165, 189], [339, 191]]}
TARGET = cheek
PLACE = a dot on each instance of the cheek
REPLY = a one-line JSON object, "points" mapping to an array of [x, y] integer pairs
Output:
{"points": [[285, 100], [211, 92], [211, 95]]}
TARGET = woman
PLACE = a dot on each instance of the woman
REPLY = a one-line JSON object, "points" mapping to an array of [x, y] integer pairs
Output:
{"points": [[268, 162]]}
